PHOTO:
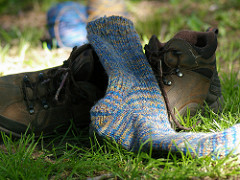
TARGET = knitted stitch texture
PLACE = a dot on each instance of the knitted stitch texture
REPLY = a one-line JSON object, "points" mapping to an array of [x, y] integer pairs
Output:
{"points": [[133, 110]]}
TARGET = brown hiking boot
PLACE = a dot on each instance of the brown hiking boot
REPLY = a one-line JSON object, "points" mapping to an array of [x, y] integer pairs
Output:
{"points": [[47, 99], [185, 67]]}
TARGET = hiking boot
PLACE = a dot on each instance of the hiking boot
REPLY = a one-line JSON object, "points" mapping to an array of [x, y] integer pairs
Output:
{"points": [[186, 68], [47, 100]]}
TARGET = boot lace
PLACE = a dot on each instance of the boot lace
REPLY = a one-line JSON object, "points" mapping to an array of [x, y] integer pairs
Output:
{"points": [[54, 86]]}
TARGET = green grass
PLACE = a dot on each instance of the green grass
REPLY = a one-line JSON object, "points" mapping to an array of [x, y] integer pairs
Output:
{"points": [[75, 155]]}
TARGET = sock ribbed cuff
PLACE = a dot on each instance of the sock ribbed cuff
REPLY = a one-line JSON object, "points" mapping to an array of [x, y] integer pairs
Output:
{"points": [[114, 26], [116, 36]]}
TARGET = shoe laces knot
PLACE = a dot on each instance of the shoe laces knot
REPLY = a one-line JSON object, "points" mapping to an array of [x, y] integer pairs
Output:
{"points": [[52, 86]]}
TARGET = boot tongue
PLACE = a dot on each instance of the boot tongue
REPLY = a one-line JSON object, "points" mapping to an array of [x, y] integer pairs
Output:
{"points": [[81, 62], [189, 36], [205, 43], [83, 66]]}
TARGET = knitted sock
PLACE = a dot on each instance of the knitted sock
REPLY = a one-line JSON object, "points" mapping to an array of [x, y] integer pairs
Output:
{"points": [[67, 23], [133, 110]]}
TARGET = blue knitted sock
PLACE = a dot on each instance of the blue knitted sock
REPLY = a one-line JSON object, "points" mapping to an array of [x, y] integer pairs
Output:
{"points": [[133, 99], [133, 110], [67, 23]]}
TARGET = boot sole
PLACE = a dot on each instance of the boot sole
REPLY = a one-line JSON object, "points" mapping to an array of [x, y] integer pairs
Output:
{"points": [[9, 132], [11, 127], [217, 105]]}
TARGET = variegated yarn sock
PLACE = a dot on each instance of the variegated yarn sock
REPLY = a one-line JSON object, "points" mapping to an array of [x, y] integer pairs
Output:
{"points": [[133, 110]]}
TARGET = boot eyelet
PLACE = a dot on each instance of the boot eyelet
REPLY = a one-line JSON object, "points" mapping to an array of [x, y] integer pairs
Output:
{"points": [[44, 103], [31, 111], [40, 76], [45, 106], [180, 74], [169, 83], [165, 81], [25, 78]]}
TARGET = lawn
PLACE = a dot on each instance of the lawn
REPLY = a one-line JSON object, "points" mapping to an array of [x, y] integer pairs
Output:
{"points": [[73, 154]]}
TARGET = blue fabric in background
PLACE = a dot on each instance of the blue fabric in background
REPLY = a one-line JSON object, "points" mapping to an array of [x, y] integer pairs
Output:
{"points": [[67, 22]]}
